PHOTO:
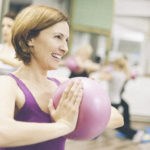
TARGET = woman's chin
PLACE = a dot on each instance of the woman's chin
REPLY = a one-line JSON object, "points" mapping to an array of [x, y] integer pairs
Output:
{"points": [[53, 68]]}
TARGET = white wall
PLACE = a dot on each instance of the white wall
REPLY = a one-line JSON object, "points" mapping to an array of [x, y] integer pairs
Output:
{"points": [[137, 94]]}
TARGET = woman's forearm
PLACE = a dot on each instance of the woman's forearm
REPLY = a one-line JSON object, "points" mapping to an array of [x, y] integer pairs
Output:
{"points": [[116, 119], [10, 61], [15, 133]]}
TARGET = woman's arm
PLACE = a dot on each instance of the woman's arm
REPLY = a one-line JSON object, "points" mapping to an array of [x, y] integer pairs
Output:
{"points": [[26, 133], [116, 119], [10, 61], [91, 66], [14, 133]]}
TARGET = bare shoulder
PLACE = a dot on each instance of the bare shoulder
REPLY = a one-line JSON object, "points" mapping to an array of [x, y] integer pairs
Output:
{"points": [[7, 82]]}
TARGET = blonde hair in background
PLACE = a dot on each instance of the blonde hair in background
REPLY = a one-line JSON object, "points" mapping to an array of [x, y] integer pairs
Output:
{"points": [[123, 65], [85, 51]]}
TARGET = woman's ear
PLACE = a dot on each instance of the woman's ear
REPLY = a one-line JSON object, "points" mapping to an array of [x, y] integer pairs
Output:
{"points": [[31, 43]]}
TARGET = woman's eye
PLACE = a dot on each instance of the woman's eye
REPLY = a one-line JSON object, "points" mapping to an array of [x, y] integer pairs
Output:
{"points": [[58, 36]]}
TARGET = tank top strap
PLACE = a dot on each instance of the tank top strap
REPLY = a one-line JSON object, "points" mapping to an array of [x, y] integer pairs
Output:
{"points": [[55, 80], [29, 98], [20, 84]]}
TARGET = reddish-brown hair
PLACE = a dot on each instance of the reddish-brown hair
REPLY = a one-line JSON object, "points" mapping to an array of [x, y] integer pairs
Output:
{"points": [[28, 24]]}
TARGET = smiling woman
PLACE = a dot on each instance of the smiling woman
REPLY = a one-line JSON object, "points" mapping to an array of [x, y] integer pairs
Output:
{"points": [[27, 114], [51, 44], [39, 36], [37, 24]]}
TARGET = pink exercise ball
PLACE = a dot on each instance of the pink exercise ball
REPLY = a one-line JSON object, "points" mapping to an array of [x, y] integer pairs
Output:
{"points": [[72, 64], [94, 111]]}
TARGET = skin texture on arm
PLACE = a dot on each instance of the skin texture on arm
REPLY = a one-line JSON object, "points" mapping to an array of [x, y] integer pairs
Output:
{"points": [[90, 66], [10, 61], [116, 119], [30, 133]]}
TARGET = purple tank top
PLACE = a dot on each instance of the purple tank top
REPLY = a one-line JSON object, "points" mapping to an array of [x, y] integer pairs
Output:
{"points": [[31, 112]]}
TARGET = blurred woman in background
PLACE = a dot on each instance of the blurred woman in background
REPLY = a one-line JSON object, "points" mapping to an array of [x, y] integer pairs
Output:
{"points": [[117, 75], [8, 62], [84, 62]]}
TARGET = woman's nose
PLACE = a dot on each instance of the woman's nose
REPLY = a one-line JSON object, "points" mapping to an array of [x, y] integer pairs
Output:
{"points": [[64, 47]]}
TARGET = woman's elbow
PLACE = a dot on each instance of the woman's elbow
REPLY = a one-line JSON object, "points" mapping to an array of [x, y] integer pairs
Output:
{"points": [[3, 139], [116, 119], [119, 121]]}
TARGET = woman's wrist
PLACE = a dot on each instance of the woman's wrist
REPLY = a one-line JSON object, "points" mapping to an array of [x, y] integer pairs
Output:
{"points": [[65, 125]]}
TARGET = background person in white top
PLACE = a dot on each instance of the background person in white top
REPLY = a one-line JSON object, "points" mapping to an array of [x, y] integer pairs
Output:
{"points": [[8, 63], [117, 76]]}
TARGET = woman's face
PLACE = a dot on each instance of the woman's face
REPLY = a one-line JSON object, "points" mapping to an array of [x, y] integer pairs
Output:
{"points": [[7, 24], [50, 46]]}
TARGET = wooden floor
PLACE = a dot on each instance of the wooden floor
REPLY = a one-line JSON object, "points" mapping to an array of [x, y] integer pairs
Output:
{"points": [[108, 141]]}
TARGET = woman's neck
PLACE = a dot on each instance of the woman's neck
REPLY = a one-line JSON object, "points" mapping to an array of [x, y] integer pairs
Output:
{"points": [[34, 73]]}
